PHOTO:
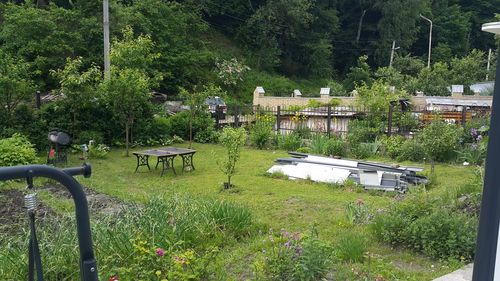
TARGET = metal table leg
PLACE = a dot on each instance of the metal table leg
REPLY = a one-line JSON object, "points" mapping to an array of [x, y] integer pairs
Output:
{"points": [[142, 160], [187, 162], [166, 164]]}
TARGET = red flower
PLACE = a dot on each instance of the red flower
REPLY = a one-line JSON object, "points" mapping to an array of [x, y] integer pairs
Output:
{"points": [[113, 278]]}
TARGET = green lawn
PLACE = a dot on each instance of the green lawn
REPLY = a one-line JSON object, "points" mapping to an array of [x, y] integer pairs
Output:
{"points": [[276, 203]]}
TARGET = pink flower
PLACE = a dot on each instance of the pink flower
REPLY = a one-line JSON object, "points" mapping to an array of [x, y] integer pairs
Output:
{"points": [[160, 252], [113, 278]]}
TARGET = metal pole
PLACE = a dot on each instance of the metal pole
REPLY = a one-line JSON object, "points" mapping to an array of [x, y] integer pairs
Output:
{"points": [[88, 265], [329, 121], [278, 117], [488, 65], [430, 41], [105, 13], [486, 256]]}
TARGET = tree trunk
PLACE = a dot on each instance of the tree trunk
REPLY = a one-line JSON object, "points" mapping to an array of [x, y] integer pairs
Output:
{"points": [[191, 129], [126, 138]]}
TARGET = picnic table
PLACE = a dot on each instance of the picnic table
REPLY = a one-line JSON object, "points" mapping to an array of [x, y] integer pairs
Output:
{"points": [[165, 156]]}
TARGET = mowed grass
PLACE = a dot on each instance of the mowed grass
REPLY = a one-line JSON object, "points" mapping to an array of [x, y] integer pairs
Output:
{"points": [[274, 203]]}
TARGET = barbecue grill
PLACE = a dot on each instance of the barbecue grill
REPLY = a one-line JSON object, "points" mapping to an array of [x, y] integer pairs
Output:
{"points": [[59, 143]]}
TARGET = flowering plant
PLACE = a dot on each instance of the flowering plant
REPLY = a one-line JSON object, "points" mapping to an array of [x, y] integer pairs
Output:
{"points": [[230, 71]]}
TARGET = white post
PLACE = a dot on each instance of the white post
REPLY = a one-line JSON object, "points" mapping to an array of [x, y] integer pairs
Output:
{"points": [[105, 12], [394, 48], [430, 41], [488, 65]]}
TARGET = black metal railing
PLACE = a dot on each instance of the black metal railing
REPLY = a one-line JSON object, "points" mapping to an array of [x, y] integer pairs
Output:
{"points": [[88, 265]]}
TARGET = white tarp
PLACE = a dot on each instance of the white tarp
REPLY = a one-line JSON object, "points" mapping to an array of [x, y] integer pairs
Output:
{"points": [[314, 172]]}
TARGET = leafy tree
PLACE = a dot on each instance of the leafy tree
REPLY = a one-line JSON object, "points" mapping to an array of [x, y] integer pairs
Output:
{"points": [[232, 139], [469, 69], [80, 89], [127, 90], [452, 29], [15, 85], [439, 141], [408, 65], [435, 81], [376, 98], [359, 74], [196, 103], [45, 37], [398, 22], [177, 31]]}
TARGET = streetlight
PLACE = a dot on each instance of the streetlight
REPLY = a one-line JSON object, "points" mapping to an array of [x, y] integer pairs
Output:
{"points": [[487, 256], [430, 41]]}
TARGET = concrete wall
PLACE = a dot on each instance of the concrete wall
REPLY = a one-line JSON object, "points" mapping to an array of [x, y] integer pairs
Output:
{"points": [[297, 100]]}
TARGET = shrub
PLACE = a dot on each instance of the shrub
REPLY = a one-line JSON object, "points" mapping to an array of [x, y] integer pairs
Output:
{"points": [[390, 226], [411, 150], [473, 153], [444, 235], [361, 150], [304, 149], [203, 126], [361, 131], [86, 136], [393, 145], [351, 247], [357, 212], [439, 140], [99, 151], [318, 144], [335, 147], [289, 142], [292, 256], [423, 225], [261, 132], [16, 150]]}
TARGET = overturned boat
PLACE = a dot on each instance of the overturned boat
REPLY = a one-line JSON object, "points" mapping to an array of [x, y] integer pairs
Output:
{"points": [[371, 175]]}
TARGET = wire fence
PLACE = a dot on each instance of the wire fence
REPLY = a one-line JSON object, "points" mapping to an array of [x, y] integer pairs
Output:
{"points": [[330, 120]]}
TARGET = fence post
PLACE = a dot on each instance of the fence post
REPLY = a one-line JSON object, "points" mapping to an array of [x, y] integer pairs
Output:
{"points": [[389, 121], [278, 121], [217, 117], [329, 121], [464, 116]]}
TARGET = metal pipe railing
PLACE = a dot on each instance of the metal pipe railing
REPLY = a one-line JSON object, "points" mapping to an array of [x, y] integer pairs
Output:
{"points": [[88, 265]]}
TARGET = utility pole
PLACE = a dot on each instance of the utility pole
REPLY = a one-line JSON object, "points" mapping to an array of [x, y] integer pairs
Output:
{"points": [[392, 52], [430, 41], [105, 12], [488, 65]]}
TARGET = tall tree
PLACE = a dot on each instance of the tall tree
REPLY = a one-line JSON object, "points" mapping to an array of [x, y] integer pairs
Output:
{"points": [[45, 37], [398, 23], [15, 86], [127, 90]]}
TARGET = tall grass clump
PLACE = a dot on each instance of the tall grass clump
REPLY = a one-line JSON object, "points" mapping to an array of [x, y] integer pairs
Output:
{"points": [[351, 247], [293, 256], [175, 238]]}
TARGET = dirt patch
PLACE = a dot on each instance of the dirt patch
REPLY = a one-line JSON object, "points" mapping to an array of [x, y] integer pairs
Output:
{"points": [[98, 202], [13, 216]]}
